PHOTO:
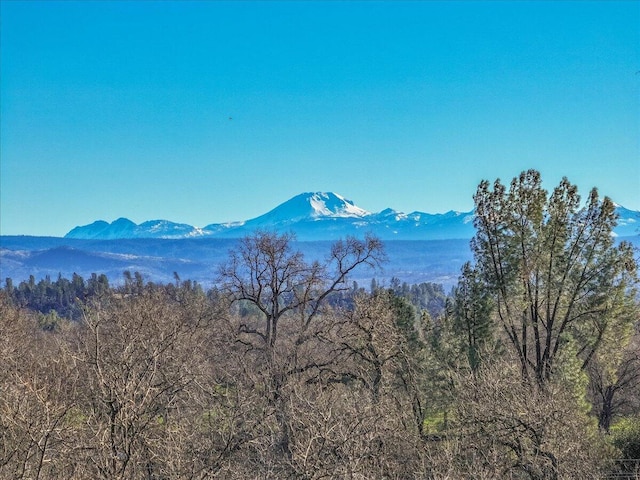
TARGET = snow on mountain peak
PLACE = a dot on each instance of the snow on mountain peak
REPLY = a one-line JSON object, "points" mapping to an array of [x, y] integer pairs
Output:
{"points": [[312, 206], [333, 205]]}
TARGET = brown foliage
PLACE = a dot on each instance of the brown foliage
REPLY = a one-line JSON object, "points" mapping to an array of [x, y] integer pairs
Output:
{"points": [[504, 427]]}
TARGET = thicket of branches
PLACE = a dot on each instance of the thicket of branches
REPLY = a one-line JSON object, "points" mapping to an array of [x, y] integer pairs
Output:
{"points": [[288, 371]]}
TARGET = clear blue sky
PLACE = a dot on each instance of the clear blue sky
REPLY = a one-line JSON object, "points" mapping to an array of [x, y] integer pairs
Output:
{"points": [[123, 108]]}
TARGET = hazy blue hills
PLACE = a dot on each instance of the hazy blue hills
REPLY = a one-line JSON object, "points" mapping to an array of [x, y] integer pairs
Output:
{"points": [[421, 247], [198, 259]]}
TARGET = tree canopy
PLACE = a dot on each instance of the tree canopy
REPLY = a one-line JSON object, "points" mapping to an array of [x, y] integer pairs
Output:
{"points": [[553, 269]]}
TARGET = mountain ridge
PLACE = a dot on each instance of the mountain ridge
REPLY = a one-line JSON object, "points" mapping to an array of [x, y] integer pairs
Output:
{"points": [[318, 216]]}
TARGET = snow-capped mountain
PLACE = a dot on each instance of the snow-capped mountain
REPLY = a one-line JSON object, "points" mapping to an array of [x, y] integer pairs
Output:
{"points": [[320, 216], [312, 206], [125, 228], [120, 228], [293, 214]]}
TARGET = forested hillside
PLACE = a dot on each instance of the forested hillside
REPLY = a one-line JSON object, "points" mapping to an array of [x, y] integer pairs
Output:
{"points": [[288, 369]]}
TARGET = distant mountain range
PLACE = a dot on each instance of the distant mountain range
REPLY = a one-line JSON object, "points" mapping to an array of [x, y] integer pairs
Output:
{"points": [[318, 216], [421, 247]]}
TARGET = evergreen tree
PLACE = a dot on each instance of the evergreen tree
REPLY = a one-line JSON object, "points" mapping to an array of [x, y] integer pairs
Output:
{"points": [[552, 269], [472, 315]]}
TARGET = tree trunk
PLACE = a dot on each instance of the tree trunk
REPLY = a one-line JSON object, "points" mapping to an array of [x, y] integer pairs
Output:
{"points": [[606, 411]]}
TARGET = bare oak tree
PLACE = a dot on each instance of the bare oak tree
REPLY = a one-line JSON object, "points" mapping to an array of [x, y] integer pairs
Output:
{"points": [[266, 272]]}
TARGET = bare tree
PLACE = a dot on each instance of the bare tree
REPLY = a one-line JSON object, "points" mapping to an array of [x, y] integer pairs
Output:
{"points": [[506, 428], [345, 401], [36, 398], [265, 271], [152, 403], [267, 274]]}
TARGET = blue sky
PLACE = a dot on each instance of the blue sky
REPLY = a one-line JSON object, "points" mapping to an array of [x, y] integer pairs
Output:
{"points": [[205, 112]]}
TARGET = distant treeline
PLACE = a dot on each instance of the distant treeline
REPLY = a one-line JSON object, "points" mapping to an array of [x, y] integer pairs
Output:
{"points": [[64, 297]]}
